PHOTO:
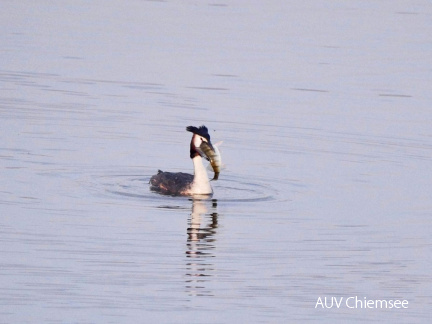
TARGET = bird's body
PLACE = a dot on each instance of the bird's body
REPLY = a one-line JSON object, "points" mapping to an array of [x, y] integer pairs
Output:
{"points": [[170, 183], [184, 184]]}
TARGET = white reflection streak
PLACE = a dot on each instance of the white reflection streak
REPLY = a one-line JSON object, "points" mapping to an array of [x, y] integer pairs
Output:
{"points": [[199, 246]]}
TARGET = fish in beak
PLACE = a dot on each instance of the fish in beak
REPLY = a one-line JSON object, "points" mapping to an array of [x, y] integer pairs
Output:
{"points": [[213, 155]]}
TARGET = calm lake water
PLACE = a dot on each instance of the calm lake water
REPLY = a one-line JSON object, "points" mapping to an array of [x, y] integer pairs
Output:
{"points": [[324, 110]]}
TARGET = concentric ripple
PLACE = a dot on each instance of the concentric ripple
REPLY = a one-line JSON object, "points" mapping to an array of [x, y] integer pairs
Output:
{"points": [[230, 189]]}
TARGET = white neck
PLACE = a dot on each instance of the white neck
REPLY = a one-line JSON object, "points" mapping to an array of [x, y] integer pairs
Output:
{"points": [[201, 183]]}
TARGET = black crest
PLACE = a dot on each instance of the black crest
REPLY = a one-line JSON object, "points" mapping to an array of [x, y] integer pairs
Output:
{"points": [[201, 131]]}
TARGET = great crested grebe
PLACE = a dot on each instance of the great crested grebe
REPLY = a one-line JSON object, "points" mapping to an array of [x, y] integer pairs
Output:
{"points": [[184, 184]]}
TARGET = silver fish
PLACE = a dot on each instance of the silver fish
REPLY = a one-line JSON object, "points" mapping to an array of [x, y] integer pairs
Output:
{"points": [[212, 152]]}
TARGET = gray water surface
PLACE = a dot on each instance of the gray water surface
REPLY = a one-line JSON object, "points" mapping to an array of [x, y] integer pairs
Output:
{"points": [[324, 110]]}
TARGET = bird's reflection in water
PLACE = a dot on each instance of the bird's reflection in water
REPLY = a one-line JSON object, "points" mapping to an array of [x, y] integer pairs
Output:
{"points": [[202, 226]]}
